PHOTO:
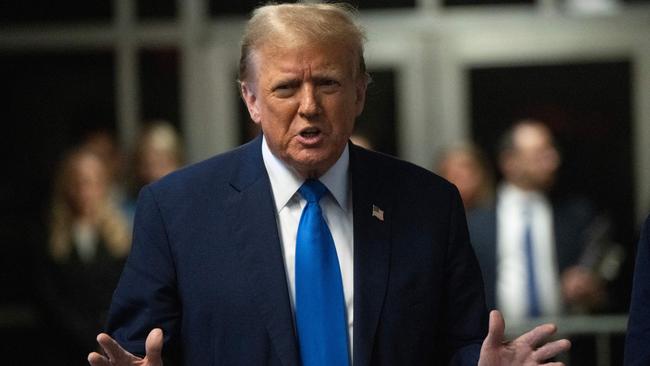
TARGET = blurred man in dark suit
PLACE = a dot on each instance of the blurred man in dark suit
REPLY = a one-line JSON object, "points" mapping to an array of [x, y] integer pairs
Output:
{"points": [[528, 245]]}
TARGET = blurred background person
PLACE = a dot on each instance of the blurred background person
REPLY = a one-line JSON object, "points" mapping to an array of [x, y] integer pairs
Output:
{"points": [[103, 143], [531, 248], [466, 166], [88, 241], [158, 152]]}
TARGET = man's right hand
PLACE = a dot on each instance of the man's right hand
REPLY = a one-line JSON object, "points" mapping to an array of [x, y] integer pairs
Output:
{"points": [[118, 356]]}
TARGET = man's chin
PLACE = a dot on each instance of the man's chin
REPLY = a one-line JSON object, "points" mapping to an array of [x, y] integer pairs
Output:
{"points": [[312, 165]]}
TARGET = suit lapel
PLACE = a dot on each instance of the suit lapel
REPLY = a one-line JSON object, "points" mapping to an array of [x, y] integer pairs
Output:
{"points": [[489, 256], [254, 230], [371, 253]]}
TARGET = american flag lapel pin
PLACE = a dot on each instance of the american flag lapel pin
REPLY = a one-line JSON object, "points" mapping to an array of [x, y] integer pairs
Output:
{"points": [[378, 213]]}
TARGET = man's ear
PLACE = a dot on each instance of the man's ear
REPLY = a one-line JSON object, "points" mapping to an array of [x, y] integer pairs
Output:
{"points": [[250, 98], [362, 85]]}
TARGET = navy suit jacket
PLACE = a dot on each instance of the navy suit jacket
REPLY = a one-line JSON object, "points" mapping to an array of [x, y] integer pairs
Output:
{"points": [[572, 220], [637, 342], [207, 267]]}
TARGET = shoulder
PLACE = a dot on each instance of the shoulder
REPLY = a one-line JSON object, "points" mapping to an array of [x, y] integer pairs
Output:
{"points": [[482, 219], [209, 178], [573, 206], [398, 173], [205, 176], [575, 214]]}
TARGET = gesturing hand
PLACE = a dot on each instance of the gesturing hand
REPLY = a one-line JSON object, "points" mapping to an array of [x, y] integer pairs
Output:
{"points": [[118, 356], [527, 350]]}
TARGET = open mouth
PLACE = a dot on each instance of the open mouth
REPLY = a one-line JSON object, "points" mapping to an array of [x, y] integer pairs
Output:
{"points": [[310, 137], [310, 132]]}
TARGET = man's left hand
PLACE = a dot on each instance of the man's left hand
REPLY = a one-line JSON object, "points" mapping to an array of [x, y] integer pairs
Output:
{"points": [[527, 350]]}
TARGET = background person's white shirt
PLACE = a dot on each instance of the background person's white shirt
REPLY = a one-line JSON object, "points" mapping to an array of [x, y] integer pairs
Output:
{"points": [[512, 288], [86, 240], [337, 209]]}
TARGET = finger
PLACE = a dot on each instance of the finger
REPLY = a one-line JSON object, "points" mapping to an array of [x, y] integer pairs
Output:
{"points": [[537, 335], [95, 359], [496, 330], [552, 349], [112, 348], [154, 344]]}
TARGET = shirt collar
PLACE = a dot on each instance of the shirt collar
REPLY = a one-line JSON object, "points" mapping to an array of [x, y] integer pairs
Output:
{"points": [[285, 182], [515, 195]]}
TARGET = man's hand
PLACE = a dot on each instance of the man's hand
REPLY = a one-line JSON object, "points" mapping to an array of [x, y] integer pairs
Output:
{"points": [[118, 356], [529, 349], [583, 288]]}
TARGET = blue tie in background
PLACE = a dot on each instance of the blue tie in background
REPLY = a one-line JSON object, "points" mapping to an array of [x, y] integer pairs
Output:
{"points": [[320, 304], [533, 295]]}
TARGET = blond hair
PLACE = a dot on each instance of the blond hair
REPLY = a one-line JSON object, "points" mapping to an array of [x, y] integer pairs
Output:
{"points": [[161, 136], [113, 227], [298, 24]]}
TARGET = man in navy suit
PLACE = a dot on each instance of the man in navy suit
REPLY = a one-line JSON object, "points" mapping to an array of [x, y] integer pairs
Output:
{"points": [[213, 266], [637, 341], [558, 233]]}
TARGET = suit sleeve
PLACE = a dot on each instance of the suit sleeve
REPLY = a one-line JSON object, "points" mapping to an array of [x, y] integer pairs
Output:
{"points": [[146, 296], [637, 342], [466, 315]]}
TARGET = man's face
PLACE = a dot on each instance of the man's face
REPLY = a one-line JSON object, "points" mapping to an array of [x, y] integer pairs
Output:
{"points": [[306, 100], [535, 160], [463, 169]]}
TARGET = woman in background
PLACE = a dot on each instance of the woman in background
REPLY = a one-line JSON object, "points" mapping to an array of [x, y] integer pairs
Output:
{"points": [[88, 241], [158, 152]]}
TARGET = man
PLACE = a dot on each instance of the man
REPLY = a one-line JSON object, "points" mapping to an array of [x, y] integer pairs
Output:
{"points": [[637, 341], [529, 248], [465, 165], [218, 260]]}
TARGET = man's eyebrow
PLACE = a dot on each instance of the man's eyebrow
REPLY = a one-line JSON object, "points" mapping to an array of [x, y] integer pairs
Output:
{"points": [[286, 80], [325, 76]]}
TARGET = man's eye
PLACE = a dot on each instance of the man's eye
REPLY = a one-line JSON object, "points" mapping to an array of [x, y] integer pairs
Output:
{"points": [[328, 82], [329, 85], [284, 90]]}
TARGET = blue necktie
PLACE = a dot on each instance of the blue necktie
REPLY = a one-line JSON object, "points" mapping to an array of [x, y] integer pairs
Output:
{"points": [[533, 294], [320, 304]]}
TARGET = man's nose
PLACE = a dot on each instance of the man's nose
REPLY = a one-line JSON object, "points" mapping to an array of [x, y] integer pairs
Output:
{"points": [[309, 103]]}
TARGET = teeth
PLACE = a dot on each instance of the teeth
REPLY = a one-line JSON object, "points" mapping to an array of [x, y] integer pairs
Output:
{"points": [[309, 132]]}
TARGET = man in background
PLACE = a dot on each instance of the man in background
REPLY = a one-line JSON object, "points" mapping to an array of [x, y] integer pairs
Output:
{"points": [[530, 247]]}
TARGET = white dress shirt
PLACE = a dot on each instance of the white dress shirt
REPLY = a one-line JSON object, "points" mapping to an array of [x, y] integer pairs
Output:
{"points": [[337, 209], [85, 239], [512, 291]]}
